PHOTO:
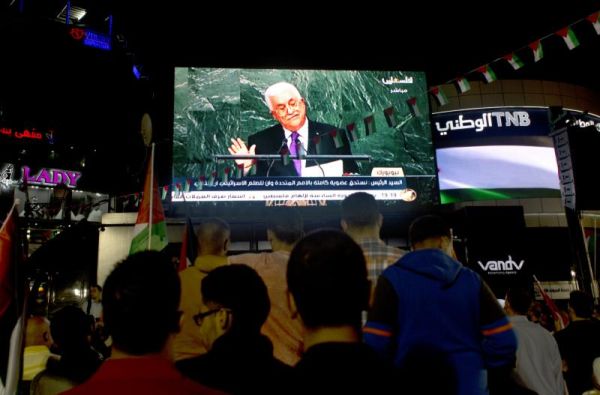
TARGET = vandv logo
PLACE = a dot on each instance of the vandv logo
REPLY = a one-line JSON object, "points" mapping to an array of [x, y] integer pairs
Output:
{"points": [[502, 267]]}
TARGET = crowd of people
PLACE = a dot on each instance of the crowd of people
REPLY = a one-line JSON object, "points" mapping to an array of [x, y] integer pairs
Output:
{"points": [[332, 311]]}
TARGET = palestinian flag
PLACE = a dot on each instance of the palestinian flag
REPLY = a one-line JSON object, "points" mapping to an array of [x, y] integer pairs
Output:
{"points": [[337, 138], [369, 125], [239, 170], [488, 73], [150, 231], [463, 84], [439, 95], [212, 178], [412, 103], [514, 61], [201, 182], [187, 185], [164, 192], [594, 19], [285, 155], [317, 143], [189, 246], [352, 132], [252, 171], [13, 293], [178, 188], [225, 174], [390, 116], [569, 36], [538, 52]]}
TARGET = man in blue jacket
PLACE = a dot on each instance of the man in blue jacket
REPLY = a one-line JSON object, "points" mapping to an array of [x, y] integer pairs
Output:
{"points": [[431, 316]]}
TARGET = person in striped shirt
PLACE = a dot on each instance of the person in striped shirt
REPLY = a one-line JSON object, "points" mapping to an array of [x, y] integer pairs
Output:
{"points": [[362, 221]]}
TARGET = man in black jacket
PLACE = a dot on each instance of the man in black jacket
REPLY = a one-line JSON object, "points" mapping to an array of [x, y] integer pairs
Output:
{"points": [[294, 132]]}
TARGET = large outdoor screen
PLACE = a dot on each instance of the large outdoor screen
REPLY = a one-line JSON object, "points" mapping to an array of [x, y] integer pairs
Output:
{"points": [[495, 153], [316, 135]]}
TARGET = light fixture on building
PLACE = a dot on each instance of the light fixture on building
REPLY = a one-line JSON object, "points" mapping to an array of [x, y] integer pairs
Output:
{"points": [[75, 13]]}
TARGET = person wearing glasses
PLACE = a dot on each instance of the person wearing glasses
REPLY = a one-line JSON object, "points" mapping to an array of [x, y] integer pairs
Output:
{"points": [[235, 304], [213, 242], [294, 132]]}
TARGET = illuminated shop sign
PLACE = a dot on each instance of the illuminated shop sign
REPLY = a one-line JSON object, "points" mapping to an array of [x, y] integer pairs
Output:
{"points": [[50, 177], [25, 134]]}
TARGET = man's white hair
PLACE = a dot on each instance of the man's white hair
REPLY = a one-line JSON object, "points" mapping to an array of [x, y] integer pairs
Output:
{"points": [[277, 89]]}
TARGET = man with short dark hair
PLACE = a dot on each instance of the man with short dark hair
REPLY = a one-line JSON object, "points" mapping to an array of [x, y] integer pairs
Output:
{"points": [[141, 320], [284, 229], [579, 343], [538, 366], [429, 302], [235, 304], [329, 290], [362, 220], [213, 243]]}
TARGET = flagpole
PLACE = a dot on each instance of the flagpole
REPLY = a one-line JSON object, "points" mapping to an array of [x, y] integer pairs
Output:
{"points": [[151, 197]]}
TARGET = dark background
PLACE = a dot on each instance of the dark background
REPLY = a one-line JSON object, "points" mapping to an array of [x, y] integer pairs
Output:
{"points": [[92, 100]]}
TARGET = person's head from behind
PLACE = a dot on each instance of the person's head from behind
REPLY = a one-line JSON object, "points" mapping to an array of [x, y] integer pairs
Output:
{"points": [[140, 303], [38, 332], [234, 300], [327, 280], [213, 237], [71, 329], [430, 231], [286, 105], [581, 305], [96, 292], [360, 214], [518, 301], [284, 225]]}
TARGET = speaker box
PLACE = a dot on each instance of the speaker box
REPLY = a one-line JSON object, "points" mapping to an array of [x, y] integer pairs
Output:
{"points": [[491, 241]]}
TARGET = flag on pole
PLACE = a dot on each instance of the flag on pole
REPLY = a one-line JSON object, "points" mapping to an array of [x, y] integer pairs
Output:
{"points": [[514, 61], [569, 36], [150, 230], [594, 19], [337, 138], [12, 299], [201, 182], [187, 185], [412, 103], [225, 174], [239, 170], [369, 125], [285, 155], [390, 116], [317, 143], [463, 84], [189, 246], [352, 132], [252, 171], [558, 318], [165, 191], [439, 95], [488, 73], [536, 48]]}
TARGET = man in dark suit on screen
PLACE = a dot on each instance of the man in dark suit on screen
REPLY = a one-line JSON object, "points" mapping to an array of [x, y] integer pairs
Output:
{"points": [[294, 133]]}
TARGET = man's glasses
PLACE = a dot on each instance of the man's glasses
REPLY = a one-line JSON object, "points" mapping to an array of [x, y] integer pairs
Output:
{"points": [[282, 109], [198, 318]]}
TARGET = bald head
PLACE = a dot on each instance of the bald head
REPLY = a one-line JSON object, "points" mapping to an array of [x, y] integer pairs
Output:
{"points": [[213, 237], [38, 332]]}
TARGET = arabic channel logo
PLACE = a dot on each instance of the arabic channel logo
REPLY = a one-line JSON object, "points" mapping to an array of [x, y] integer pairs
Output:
{"points": [[494, 119]]}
